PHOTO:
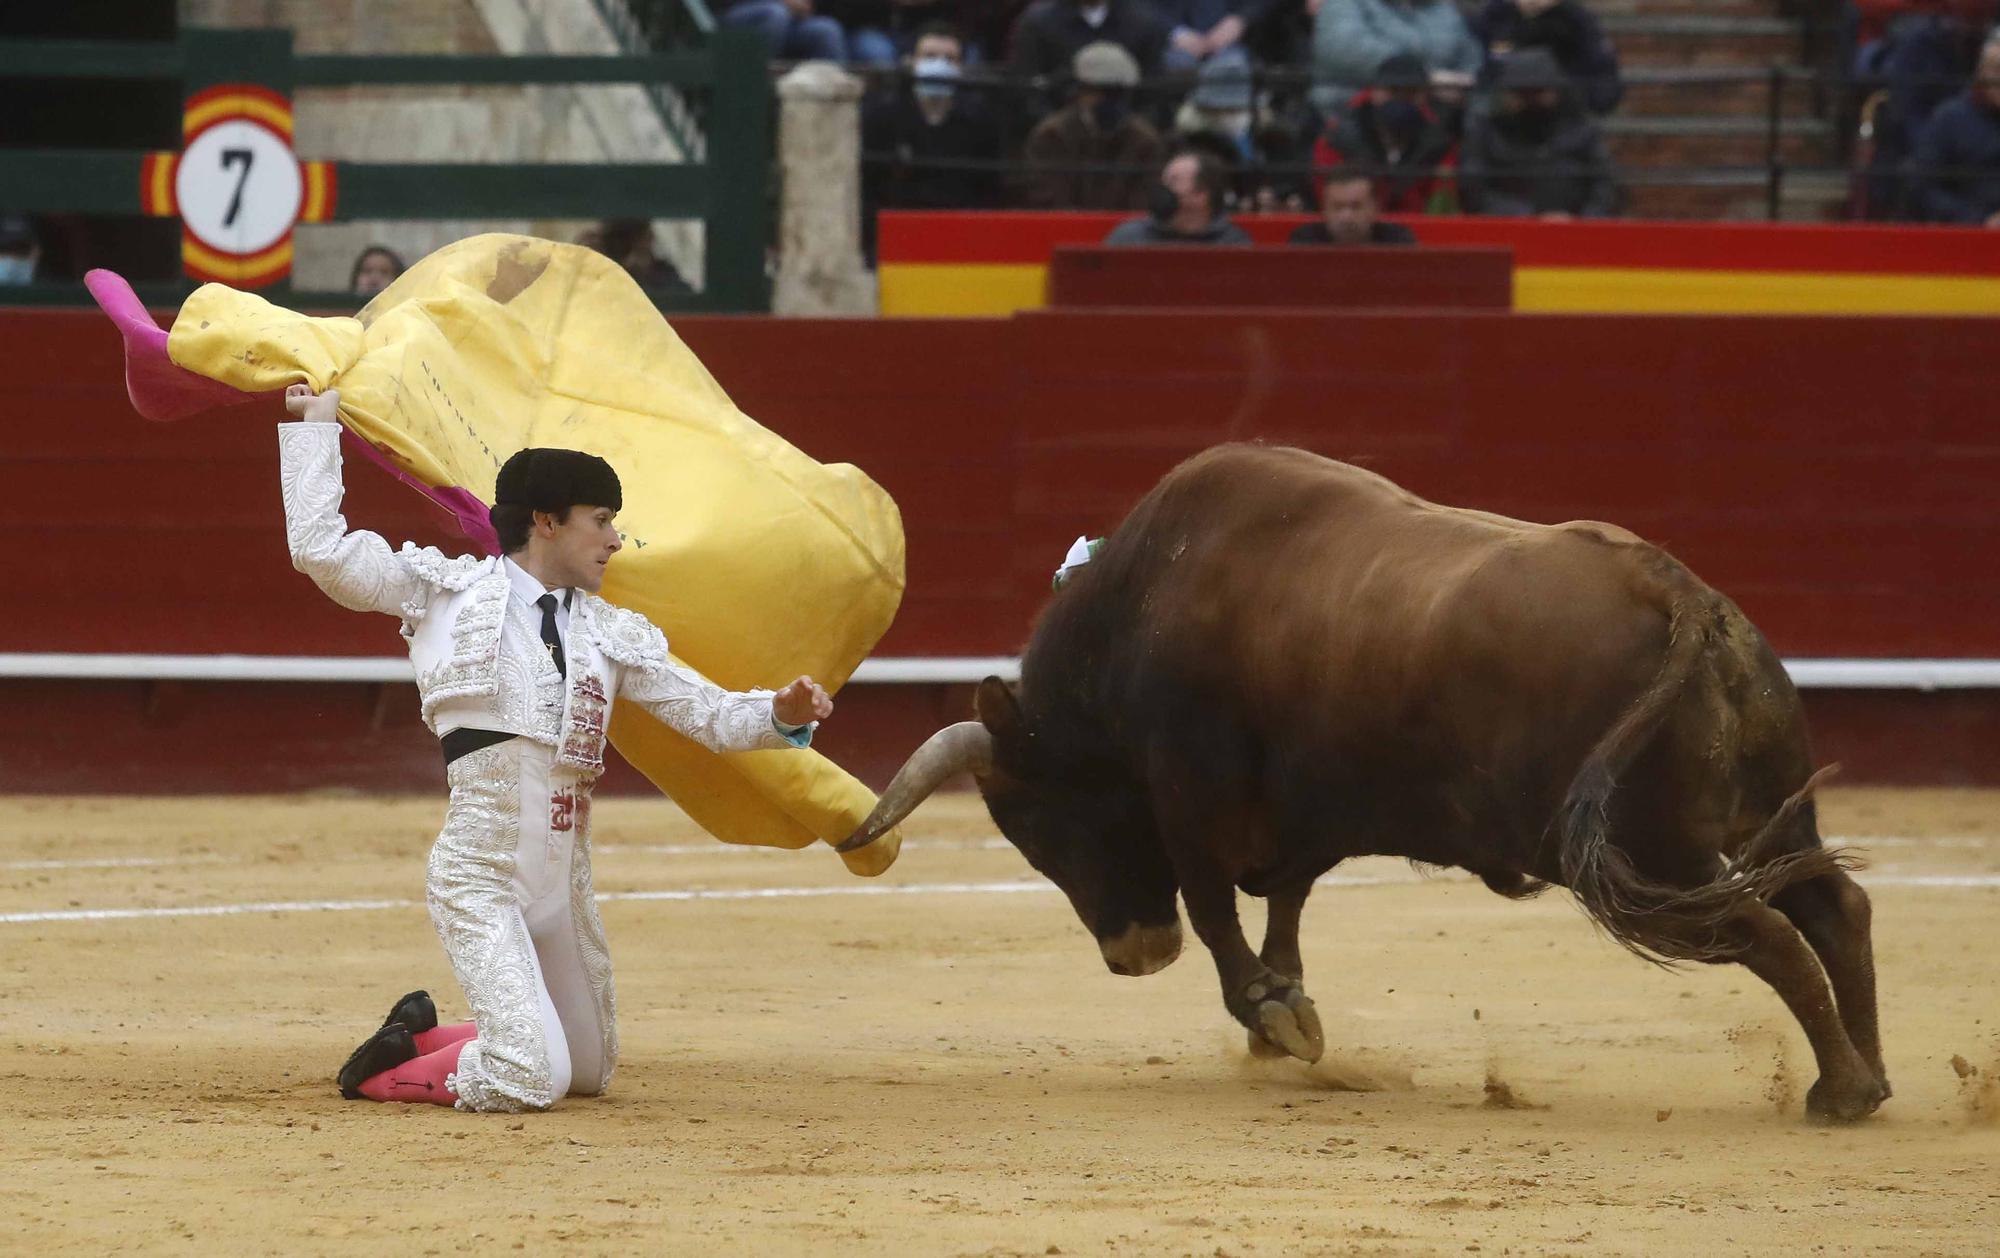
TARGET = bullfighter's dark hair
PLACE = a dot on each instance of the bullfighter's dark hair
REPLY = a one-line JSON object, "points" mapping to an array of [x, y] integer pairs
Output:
{"points": [[551, 480]]}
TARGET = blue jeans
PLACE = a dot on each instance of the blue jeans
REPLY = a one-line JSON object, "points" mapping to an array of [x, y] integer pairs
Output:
{"points": [[791, 38], [875, 47], [1173, 60]]}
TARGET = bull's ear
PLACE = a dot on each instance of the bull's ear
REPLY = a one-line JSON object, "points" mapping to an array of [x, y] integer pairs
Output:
{"points": [[999, 711]]}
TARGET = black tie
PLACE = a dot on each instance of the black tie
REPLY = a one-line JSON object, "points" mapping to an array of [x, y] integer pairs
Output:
{"points": [[547, 603]]}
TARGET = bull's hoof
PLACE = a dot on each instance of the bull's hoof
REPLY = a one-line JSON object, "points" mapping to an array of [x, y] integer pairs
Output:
{"points": [[1261, 1047], [1828, 1102], [1288, 1020]]}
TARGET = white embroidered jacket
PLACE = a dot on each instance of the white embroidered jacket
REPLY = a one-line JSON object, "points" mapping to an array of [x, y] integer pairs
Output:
{"points": [[454, 610]]}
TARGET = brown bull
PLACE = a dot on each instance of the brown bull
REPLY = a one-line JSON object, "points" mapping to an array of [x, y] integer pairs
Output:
{"points": [[1279, 661]]}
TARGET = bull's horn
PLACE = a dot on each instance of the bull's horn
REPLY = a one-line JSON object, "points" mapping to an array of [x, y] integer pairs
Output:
{"points": [[966, 747]]}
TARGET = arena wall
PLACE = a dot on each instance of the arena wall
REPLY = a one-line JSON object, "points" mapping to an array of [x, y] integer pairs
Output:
{"points": [[1832, 474]]}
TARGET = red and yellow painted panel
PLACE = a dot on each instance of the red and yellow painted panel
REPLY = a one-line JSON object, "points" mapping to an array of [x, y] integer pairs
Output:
{"points": [[237, 186], [995, 263]]}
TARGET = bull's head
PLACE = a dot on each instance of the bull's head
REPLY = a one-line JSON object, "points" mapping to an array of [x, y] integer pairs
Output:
{"points": [[1086, 825]]}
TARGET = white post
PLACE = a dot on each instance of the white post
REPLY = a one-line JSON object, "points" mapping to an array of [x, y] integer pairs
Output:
{"points": [[819, 210]]}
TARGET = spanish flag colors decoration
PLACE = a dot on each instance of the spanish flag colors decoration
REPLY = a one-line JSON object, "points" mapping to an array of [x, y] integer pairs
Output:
{"points": [[237, 186]]}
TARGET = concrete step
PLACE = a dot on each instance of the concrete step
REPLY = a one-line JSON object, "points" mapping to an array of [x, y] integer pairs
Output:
{"points": [[1645, 40], [1744, 93], [1696, 141], [1805, 196]]}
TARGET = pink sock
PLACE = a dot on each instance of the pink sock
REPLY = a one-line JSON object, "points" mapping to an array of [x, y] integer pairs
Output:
{"points": [[437, 1037], [419, 1080]]}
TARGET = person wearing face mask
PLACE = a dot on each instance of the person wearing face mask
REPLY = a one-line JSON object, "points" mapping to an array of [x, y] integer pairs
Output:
{"points": [[930, 118], [1393, 129], [1097, 128], [1570, 32], [1535, 151], [1185, 208], [19, 250], [1219, 110], [1052, 32]]}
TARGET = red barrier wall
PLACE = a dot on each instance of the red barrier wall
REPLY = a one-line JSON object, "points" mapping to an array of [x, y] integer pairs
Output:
{"points": [[1834, 475]]}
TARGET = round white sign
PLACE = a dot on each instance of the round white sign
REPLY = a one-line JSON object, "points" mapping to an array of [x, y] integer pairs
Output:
{"points": [[239, 187]]}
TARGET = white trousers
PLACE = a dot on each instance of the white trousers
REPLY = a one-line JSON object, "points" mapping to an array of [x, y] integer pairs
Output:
{"points": [[510, 894]]}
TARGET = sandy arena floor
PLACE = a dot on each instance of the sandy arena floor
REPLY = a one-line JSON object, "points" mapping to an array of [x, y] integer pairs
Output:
{"points": [[937, 1062]]}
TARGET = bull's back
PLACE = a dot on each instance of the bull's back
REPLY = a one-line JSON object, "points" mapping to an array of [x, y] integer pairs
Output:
{"points": [[1295, 567], [1324, 607]]}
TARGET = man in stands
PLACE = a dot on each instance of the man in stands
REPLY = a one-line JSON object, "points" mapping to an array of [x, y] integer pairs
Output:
{"points": [[1569, 31], [1956, 170], [929, 119], [1392, 127], [1535, 151], [1052, 32], [1100, 128], [1187, 208], [1347, 216]]}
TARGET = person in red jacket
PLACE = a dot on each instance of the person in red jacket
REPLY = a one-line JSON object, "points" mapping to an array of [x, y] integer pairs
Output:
{"points": [[1393, 131]]}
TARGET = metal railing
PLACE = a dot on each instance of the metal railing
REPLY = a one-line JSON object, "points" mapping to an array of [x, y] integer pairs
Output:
{"points": [[727, 189]]}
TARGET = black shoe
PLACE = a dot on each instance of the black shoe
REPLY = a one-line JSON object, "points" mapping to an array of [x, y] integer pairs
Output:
{"points": [[416, 1012], [386, 1049]]}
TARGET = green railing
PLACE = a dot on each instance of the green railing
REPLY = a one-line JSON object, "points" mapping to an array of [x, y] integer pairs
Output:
{"points": [[727, 189]]}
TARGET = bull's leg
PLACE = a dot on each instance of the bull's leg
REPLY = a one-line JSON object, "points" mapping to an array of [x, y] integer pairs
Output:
{"points": [[1833, 913], [1774, 951], [1281, 952], [1272, 1005]]}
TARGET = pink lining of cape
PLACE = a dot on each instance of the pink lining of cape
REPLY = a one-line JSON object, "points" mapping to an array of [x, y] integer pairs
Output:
{"points": [[162, 390]]}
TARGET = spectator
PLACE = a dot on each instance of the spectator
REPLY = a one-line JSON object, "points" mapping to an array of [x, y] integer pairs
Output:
{"points": [[790, 28], [1535, 150], [1100, 127], [1916, 52], [1956, 171], [1186, 208], [932, 118], [1570, 32], [1394, 130], [883, 32], [20, 250], [376, 269], [1052, 32], [1352, 37], [629, 243], [1347, 216], [1219, 109], [1200, 31]]}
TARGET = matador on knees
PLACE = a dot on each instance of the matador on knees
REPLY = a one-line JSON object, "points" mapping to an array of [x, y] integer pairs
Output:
{"points": [[518, 662]]}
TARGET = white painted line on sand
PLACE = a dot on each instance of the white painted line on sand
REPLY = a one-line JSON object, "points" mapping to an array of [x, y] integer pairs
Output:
{"points": [[801, 893], [126, 862], [717, 848]]}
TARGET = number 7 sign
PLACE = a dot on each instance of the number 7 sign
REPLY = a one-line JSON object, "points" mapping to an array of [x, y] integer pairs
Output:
{"points": [[237, 186]]}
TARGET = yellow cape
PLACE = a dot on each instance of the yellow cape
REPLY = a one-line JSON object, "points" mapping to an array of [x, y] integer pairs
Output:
{"points": [[758, 562]]}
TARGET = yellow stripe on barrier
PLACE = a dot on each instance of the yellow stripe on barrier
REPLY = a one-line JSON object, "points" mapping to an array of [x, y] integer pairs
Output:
{"points": [[1586, 290], [962, 288]]}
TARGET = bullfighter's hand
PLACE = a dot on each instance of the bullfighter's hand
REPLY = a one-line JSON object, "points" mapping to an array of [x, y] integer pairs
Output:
{"points": [[801, 703], [303, 403]]}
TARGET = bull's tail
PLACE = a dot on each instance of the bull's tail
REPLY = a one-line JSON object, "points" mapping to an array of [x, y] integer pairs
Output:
{"points": [[1658, 922]]}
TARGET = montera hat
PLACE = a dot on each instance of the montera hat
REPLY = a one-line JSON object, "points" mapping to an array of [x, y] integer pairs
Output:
{"points": [[545, 479]]}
